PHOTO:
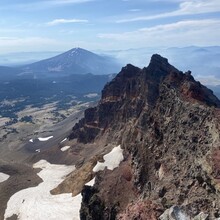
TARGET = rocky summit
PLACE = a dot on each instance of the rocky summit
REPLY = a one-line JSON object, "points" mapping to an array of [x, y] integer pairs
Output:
{"points": [[168, 126]]}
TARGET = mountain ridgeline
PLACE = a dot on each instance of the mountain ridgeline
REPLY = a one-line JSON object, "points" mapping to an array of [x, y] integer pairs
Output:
{"points": [[168, 125]]}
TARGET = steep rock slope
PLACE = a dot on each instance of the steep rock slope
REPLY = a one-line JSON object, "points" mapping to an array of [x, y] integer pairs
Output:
{"points": [[168, 125]]}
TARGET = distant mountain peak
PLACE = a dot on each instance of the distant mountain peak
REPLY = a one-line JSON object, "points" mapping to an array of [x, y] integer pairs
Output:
{"points": [[78, 50], [74, 61]]}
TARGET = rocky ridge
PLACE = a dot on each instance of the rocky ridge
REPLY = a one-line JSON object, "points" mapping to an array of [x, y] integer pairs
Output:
{"points": [[168, 125]]}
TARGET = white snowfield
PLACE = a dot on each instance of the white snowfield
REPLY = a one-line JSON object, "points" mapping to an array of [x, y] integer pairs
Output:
{"points": [[3, 177], [31, 140], [112, 160], [36, 203], [65, 148], [45, 138]]}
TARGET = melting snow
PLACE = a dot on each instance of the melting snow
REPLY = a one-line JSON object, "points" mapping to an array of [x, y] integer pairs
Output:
{"points": [[112, 160], [63, 140], [91, 182], [45, 139], [65, 148], [36, 203], [31, 140], [3, 177], [38, 150]]}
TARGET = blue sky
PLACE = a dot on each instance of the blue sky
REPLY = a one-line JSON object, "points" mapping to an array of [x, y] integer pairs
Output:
{"points": [[59, 25]]}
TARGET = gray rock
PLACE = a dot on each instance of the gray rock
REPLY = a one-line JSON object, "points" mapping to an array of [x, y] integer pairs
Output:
{"points": [[201, 216], [174, 213]]}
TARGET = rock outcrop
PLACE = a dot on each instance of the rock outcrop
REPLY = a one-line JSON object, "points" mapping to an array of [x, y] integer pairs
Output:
{"points": [[168, 125]]}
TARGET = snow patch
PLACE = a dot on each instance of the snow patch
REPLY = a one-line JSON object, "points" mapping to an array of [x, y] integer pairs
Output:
{"points": [[3, 177], [45, 139], [38, 150], [112, 160], [65, 148], [91, 182], [31, 140], [37, 203], [63, 140]]}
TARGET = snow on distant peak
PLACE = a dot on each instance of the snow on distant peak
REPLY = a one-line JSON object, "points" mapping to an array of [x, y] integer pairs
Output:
{"points": [[77, 49]]}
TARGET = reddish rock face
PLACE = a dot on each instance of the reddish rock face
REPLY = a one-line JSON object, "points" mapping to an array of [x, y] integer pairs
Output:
{"points": [[168, 125]]}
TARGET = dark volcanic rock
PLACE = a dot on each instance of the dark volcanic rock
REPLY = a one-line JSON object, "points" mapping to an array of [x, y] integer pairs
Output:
{"points": [[168, 125], [92, 206]]}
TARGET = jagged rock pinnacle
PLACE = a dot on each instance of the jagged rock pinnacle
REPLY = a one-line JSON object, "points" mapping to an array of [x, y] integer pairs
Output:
{"points": [[157, 59], [168, 125]]}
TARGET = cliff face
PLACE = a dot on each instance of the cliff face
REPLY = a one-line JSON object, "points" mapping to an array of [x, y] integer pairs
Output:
{"points": [[168, 125]]}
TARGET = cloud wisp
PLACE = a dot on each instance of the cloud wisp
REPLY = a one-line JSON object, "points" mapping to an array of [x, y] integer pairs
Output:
{"points": [[66, 21], [186, 32], [134, 10], [189, 7], [208, 80], [64, 2]]}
